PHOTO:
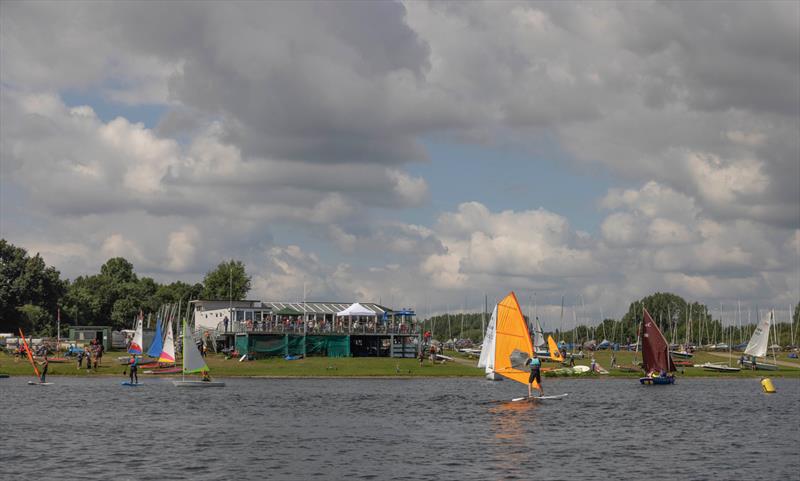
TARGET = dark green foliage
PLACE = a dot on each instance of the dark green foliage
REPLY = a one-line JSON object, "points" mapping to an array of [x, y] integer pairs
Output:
{"points": [[26, 280], [228, 281], [441, 331], [31, 293]]}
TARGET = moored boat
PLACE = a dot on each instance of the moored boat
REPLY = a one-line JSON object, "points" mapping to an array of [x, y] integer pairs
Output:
{"points": [[656, 360], [711, 366], [757, 347]]}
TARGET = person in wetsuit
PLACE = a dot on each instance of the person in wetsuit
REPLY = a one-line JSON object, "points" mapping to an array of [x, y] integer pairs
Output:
{"points": [[535, 365], [133, 364]]}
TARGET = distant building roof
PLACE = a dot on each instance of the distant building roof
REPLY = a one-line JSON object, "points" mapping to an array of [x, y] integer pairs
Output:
{"points": [[285, 306], [323, 307], [211, 305]]}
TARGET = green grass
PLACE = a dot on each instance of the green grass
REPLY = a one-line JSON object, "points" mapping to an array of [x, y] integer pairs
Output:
{"points": [[277, 367], [380, 367], [626, 358]]}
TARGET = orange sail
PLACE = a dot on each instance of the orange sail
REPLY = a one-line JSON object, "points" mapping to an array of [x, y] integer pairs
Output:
{"points": [[555, 352], [30, 355], [513, 344]]}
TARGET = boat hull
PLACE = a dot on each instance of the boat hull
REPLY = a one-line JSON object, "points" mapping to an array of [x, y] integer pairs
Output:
{"points": [[760, 366], [718, 367], [199, 383], [493, 376], [169, 370], [653, 381]]}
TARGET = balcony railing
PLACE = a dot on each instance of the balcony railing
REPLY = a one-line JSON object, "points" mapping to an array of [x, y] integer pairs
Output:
{"points": [[322, 328]]}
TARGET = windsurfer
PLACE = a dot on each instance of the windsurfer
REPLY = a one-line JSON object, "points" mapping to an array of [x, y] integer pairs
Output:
{"points": [[535, 365], [44, 365], [206, 377]]}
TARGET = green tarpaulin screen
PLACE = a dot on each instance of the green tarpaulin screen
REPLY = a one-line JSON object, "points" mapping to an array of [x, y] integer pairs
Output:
{"points": [[268, 346], [295, 345], [331, 346], [241, 345]]}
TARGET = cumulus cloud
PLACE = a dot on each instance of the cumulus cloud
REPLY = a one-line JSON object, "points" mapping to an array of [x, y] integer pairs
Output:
{"points": [[307, 115]]}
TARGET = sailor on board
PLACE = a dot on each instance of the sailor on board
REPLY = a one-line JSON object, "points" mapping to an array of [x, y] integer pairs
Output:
{"points": [[535, 366]]}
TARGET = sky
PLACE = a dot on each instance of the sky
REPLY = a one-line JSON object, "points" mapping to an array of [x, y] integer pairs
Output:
{"points": [[423, 155]]}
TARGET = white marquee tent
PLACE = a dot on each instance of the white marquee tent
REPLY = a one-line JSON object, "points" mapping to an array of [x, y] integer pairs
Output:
{"points": [[356, 309]]}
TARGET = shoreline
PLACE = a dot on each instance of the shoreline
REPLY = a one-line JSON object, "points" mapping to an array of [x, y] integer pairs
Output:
{"points": [[379, 368]]}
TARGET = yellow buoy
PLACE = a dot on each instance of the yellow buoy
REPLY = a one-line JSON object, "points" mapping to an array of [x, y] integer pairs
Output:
{"points": [[766, 384]]}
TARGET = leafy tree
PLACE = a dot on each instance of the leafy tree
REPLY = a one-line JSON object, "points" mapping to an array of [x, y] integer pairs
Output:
{"points": [[25, 280], [118, 270], [36, 319], [228, 280]]}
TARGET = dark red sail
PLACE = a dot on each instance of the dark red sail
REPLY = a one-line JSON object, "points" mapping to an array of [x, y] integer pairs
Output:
{"points": [[655, 349]]}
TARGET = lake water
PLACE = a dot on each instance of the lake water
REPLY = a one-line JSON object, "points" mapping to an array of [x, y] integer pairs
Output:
{"points": [[421, 429]]}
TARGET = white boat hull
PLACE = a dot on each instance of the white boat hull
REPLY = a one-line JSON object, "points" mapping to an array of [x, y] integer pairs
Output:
{"points": [[199, 383], [709, 366], [747, 364], [493, 376]]}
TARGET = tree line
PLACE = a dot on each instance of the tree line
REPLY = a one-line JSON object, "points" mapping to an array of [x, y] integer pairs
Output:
{"points": [[33, 295], [680, 321]]}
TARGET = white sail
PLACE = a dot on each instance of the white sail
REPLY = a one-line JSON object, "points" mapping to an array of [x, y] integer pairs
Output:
{"points": [[168, 351], [538, 337], [487, 352], [758, 343], [192, 359], [137, 343]]}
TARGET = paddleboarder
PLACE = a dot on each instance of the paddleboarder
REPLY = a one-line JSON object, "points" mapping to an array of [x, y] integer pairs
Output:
{"points": [[133, 364], [535, 366]]}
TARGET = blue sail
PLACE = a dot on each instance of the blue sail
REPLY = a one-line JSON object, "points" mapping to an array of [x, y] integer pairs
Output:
{"points": [[158, 342]]}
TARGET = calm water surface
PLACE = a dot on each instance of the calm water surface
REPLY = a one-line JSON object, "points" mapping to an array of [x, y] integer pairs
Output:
{"points": [[398, 429]]}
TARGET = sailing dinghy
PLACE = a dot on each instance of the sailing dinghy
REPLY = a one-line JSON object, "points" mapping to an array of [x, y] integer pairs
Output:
{"points": [[538, 340], [193, 362], [486, 360], [757, 347], [656, 360], [513, 346]]}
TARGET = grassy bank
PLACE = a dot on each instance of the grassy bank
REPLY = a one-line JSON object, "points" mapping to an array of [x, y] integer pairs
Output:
{"points": [[382, 367]]}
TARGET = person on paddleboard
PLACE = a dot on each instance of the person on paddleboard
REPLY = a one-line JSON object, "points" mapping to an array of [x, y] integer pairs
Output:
{"points": [[535, 366], [133, 365]]}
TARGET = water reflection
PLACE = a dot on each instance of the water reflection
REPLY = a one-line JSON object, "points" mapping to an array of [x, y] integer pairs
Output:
{"points": [[511, 427]]}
